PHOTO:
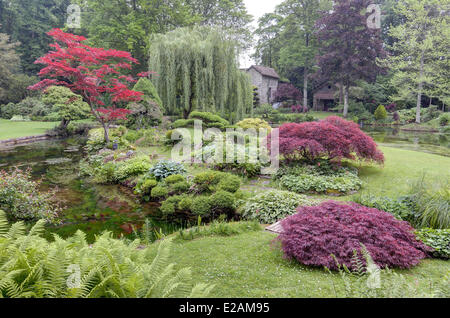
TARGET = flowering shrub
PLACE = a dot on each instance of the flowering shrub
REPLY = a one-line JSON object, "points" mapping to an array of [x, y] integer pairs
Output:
{"points": [[316, 233], [20, 198], [272, 206], [333, 138]]}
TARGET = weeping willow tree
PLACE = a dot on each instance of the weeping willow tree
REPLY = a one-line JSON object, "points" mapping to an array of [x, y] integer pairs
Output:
{"points": [[197, 69]]}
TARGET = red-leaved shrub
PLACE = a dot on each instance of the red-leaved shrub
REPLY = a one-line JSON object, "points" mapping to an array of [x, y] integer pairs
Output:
{"points": [[333, 138], [316, 233]]}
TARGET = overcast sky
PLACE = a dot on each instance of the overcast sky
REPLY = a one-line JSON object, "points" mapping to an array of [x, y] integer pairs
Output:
{"points": [[257, 8]]}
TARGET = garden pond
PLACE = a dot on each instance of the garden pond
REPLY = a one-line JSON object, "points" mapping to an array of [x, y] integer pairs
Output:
{"points": [[89, 207], [95, 208]]}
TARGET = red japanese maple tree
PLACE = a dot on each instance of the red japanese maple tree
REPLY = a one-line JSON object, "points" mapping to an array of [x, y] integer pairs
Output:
{"points": [[97, 74]]}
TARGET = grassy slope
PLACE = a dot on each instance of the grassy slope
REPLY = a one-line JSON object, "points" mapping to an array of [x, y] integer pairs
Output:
{"points": [[9, 129], [248, 266]]}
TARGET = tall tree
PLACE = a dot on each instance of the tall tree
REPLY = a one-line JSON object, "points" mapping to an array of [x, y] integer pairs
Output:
{"points": [[9, 64], [349, 48], [126, 25], [197, 70], [27, 22], [421, 50], [94, 73], [230, 15], [299, 33], [268, 45]]}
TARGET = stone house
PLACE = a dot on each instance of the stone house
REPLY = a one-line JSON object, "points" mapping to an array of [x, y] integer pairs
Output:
{"points": [[266, 80]]}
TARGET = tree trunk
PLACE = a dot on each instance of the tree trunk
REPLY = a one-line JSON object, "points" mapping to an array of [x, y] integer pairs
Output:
{"points": [[419, 90], [341, 93], [305, 89], [64, 123], [345, 112], [106, 132]]}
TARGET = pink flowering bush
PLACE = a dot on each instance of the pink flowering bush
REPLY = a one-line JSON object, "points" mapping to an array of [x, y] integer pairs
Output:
{"points": [[316, 233], [332, 138], [20, 198]]}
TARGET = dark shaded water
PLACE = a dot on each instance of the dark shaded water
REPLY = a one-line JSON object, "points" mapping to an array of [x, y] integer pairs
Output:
{"points": [[89, 207], [434, 143], [96, 208]]}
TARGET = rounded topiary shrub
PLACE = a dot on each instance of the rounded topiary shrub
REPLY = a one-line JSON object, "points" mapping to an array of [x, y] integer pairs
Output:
{"points": [[316, 233], [273, 206]]}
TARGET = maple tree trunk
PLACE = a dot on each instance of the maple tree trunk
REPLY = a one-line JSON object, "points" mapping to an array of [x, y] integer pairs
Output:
{"points": [[106, 132]]}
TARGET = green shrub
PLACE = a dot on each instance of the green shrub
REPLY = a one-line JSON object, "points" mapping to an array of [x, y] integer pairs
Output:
{"points": [[145, 186], [180, 187], [159, 192], [175, 178], [398, 208], [21, 199], [273, 206], [380, 113], [431, 203], [165, 168], [230, 183], [222, 201], [209, 118], [206, 181], [31, 266], [167, 208], [201, 206], [132, 167], [185, 204], [439, 240], [218, 228], [321, 184], [255, 123], [444, 119]]}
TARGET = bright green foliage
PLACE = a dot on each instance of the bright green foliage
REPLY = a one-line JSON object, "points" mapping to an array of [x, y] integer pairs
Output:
{"points": [[256, 123], [431, 204], [31, 266], [68, 105], [439, 240], [132, 167], [145, 186], [321, 184], [273, 206], [398, 208], [147, 112], [197, 70], [229, 183], [21, 199], [218, 228], [380, 113], [159, 192], [222, 201], [420, 51], [175, 178], [206, 181], [201, 205]]}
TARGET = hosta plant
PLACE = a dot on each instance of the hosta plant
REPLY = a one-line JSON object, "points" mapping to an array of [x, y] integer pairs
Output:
{"points": [[32, 267], [316, 235], [272, 206], [165, 168], [438, 240]]}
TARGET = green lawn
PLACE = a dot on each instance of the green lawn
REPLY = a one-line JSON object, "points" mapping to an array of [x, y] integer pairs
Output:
{"points": [[248, 265], [9, 129], [323, 115]]}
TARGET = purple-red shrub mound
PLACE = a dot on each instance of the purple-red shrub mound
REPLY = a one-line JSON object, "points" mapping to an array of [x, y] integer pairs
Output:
{"points": [[334, 138], [315, 233]]}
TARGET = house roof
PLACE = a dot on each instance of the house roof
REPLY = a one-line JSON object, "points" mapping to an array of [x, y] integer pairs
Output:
{"points": [[265, 71]]}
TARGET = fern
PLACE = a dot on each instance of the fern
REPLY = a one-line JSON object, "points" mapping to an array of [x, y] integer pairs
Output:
{"points": [[31, 266]]}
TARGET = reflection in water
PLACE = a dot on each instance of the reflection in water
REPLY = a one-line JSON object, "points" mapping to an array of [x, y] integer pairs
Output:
{"points": [[434, 143], [89, 207]]}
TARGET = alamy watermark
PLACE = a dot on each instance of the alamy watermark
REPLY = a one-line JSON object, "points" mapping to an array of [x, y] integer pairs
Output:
{"points": [[374, 19], [74, 16], [235, 146]]}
